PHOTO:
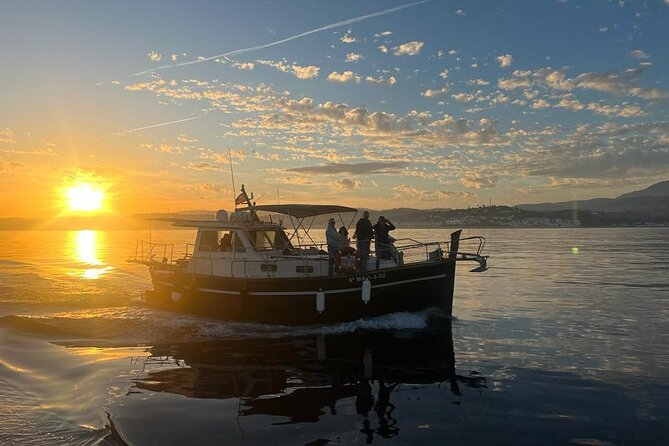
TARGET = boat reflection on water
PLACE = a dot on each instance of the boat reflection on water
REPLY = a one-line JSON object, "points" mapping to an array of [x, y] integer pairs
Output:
{"points": [[300, 379]]}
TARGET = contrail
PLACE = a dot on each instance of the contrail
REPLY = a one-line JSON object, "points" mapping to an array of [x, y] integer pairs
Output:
{"points": [[125, 132], [287, 39]]}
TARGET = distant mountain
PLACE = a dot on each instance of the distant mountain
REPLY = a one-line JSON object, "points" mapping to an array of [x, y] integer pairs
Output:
{"points": [[660, 189], [652, 198]]}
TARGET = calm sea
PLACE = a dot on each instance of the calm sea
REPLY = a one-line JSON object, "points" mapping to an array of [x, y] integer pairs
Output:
{"points": [[564, 340]]}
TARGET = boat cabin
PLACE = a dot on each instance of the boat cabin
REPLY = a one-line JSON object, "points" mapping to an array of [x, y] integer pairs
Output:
{"points": [[255, 250]]}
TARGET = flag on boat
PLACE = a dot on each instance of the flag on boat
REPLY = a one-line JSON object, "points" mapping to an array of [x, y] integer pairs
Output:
{"points": [[241, 198]]}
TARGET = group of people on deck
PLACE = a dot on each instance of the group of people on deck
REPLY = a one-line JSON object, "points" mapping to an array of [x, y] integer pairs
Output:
{"points": [[364, 233]]}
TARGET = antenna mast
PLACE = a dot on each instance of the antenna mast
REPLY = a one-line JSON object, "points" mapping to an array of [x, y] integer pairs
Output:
{"points": [[232, 174]]}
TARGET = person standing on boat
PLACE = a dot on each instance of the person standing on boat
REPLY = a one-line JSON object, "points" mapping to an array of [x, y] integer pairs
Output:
{"points": [[382, 246], [333, 240], [364, 233], [344, 242]]}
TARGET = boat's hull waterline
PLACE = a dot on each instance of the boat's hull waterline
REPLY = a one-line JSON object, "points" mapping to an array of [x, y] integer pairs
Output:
{"points": [[308, 300]]}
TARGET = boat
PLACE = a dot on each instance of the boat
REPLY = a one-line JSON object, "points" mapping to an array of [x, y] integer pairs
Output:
{"points": [[243, 267]]}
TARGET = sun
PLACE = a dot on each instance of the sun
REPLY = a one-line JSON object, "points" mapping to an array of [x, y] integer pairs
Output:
{"points": [[84, 197]]}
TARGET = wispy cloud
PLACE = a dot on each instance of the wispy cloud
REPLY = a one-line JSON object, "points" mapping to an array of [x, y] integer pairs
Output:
{"points": [[301, 72], [625, 83], [352, 168], [639, 54], [125, 132], [7, 136], [288, 39]]}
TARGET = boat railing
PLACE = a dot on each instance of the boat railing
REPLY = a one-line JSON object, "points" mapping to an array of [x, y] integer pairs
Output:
{"points": [[147, 252], [408, 250]]}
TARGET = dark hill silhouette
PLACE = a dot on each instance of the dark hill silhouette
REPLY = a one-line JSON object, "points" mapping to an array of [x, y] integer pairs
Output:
{"points": [[652, 198], [660, 189]]}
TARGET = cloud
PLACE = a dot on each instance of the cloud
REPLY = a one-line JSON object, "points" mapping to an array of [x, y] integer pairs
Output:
{"points": [[244, 65], [291, 38], [383, 48], [505, 60], [381, 80], [154, 57], [624, 111], [404, 191], [605, 152], [570, 104], [353, 169], [332, 120], [478, 181], [7, 136], [540, 104], [383, 34], [164, 148], [185, 138], [354, 57], [8, 165], [346, 184], [436, 92], [203, 166], [408, 49], [346, 76], [444, 74], [621, 84], [348, 38], [301, 72], [308, 72], [209, 189], [639, 54]]}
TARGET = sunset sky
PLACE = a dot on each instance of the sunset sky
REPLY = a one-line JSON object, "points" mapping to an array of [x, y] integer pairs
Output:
{"points": [[375, 104]]}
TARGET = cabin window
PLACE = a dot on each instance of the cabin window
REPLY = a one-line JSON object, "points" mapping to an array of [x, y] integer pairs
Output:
{"points": [[208, 241], [281, 241], [304, 269], [261, 240], [269, 239], [268, 267], [238, 244], [225, 241]]}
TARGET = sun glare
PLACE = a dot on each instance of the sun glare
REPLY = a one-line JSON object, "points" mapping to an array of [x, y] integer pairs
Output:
{"points": [[84, 197]]}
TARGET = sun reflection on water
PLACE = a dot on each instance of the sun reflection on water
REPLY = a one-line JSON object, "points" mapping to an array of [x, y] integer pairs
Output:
{"points": [[86, 246]]}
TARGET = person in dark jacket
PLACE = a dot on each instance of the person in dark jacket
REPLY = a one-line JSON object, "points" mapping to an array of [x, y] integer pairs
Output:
{"points": [[364, 233], [383, 247]]}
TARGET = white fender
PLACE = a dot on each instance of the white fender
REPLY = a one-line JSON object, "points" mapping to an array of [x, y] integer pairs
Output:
{"points": [[366, 290], [320, 301]]}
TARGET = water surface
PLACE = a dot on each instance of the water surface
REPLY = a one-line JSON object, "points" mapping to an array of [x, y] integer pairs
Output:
{"points": [[562, 341]]}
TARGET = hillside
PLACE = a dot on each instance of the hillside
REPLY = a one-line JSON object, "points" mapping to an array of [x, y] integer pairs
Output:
{"points": [[653, 198]]}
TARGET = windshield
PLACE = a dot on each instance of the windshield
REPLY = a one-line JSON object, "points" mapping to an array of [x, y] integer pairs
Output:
{"points": [[269, 239]]}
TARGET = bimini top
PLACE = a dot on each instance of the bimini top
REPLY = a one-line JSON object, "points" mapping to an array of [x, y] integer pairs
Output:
{"points": [[214, 224], [304, 210]]}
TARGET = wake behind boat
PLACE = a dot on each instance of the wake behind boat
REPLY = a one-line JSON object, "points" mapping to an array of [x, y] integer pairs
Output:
{"points": [[248, 269]]}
